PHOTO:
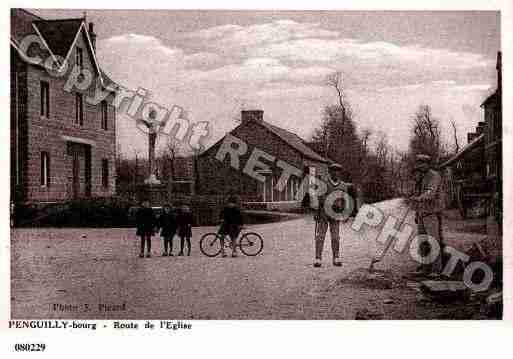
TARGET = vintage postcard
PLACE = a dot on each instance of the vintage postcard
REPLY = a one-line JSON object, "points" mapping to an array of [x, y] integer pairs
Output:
{"points": [[170, 166]]}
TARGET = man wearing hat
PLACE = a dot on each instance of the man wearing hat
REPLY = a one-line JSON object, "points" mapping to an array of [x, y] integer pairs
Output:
{"points": [[335, 205], [428, 204]]}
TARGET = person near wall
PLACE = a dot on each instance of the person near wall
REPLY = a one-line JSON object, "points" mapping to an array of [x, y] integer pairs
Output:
{"points": [[428, 204], [231, 225], [168, 225], [145, 223], [184, 220], [335, 205]]}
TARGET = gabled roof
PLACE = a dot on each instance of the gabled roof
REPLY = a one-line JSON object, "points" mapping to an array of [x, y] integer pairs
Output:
{"points": [[294, 141], [491, 99], [470, 146], [59, 34], [108, 82], [286, 136]]}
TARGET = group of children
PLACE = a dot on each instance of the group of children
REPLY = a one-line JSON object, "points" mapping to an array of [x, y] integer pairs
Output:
{"points": [[174, 221]]}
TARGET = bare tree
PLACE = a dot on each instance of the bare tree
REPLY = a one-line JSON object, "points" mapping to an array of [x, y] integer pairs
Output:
{"points": [[136, 169], [336, 126], [364, 152], [334, 80], [455, 135], [400, 172], [195, 169], [118, 159], [426, 134], [382, 150], [168, 156], [364, 138]]}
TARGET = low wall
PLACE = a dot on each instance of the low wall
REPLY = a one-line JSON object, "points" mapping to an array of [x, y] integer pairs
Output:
{"points": [[285, 206]]}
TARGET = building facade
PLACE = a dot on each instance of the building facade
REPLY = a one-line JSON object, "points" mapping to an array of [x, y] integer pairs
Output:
{"points": [[493, 143], [474, 174], [63, 139], [219, 177]]}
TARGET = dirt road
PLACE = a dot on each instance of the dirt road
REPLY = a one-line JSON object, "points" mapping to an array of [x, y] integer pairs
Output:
{"points": [[79, 269]]}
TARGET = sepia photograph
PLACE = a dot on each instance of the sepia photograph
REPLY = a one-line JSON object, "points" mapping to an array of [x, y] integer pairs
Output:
{"points": [[255, 165]]}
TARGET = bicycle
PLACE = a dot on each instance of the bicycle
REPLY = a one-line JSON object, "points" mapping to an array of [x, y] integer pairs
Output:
{"points": [[250, 243]]}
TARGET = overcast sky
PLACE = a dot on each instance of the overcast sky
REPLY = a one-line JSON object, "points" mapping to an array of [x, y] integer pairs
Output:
{"points": [[212, 63]]}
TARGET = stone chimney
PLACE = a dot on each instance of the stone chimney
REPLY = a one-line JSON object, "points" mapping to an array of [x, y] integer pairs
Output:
{"points": [[252, 115], [92, 35]]}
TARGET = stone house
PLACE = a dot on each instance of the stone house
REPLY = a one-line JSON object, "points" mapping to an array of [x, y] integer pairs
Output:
{"points": [[63, 145], [280, 146]]}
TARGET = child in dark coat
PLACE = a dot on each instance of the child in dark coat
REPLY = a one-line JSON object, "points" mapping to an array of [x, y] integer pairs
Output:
{"points": [[184, 220], [145, 222], [231, 225], [168, 225]]}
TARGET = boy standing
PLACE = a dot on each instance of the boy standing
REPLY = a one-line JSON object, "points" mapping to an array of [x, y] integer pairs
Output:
{"points": [[168, 225], [184, 220], [145, 221]]}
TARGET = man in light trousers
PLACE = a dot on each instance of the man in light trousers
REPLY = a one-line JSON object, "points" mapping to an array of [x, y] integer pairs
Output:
{"points": [[331, 213], [429, 204]]}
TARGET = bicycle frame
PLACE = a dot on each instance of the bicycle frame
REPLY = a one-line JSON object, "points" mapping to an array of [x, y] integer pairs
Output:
{"points": [[228, 243]]}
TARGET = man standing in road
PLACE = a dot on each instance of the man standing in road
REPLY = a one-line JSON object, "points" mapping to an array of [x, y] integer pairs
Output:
{"points": [[429, 204], [335, 205]]}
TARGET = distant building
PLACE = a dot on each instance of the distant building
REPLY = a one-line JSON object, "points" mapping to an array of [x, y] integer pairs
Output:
{"points": [[62, 147], [216, 177], [474, 174], [493, 130]]}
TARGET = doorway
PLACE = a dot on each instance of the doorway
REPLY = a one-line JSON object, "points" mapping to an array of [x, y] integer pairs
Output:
{"points": [[81, 169]]}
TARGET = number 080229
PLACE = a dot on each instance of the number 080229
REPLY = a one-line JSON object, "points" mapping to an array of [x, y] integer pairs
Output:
{"points": [[29, 347]]}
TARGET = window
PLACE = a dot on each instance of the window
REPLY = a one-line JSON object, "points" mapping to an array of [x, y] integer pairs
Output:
{"points": [[45, 169], [79, 60], [275, 193], [79, 109], [491, 125], [45, 99], [104, 111], [295, 188], [497, 124], [105, 173]]}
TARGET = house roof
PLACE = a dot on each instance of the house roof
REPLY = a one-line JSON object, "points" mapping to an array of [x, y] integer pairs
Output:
{"points": [[59, 34], [108, 82], [491, 99], [470, 146], [286, 136], [294, 141]]}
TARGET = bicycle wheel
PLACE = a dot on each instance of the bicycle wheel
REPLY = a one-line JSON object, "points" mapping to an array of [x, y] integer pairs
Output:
{"points": [[251, 244], [210, 244]]}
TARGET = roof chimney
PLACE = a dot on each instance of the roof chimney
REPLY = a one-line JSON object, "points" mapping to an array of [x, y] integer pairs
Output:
{"points": [[252, 115], [92, 35]]}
